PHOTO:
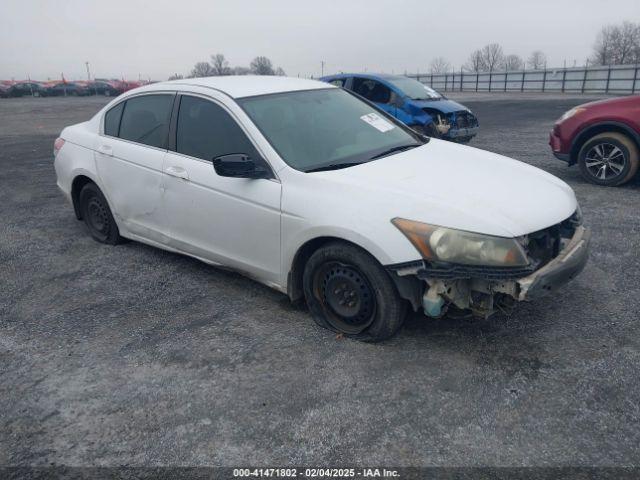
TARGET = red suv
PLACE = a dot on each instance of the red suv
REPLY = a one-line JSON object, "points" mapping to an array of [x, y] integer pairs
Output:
{"points": [[602, 137]]}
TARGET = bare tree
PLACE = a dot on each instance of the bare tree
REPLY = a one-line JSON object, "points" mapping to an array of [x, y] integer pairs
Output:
{"points": [[201, 69], [219, 65], [241, 71], [262, 66], [537, 60], [492, 56], [603, 48], [280, 72], [176, 76], [513, 62], [617, 45], [626, 41], [475, 62], [440, 65]]}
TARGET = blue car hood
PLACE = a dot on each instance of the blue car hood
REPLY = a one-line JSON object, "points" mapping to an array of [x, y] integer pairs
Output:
{"points": [[443, 105]]}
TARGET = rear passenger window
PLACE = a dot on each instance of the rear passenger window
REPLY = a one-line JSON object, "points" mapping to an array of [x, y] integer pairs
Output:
{"points": [[207, 131], [112, 120], [145, 119]]}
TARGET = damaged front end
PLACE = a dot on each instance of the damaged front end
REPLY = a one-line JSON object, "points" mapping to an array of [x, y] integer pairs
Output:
{"points": [[460, 126], [552, 257]]}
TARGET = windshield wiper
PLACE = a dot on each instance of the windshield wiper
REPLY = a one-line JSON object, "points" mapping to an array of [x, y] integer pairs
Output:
{"points": [[394, 150], [333, 166]]}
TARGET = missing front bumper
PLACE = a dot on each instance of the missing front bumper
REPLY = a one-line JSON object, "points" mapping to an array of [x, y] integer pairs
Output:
{"points": [[482, 290], [560, 270]]}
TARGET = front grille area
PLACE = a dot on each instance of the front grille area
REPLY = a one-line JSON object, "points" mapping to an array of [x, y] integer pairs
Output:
{"points": [[457, 272], [463, 119]]}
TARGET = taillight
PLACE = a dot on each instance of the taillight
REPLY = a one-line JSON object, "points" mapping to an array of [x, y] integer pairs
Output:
{"points": [[57, 145]]}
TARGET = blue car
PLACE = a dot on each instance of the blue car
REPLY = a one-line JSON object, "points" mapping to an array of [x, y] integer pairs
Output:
{"points": [[413, 103]]}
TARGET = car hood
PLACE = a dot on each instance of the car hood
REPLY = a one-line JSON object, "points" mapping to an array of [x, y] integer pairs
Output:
{"points": [[461, 187], [606, 102], [444, 105]]}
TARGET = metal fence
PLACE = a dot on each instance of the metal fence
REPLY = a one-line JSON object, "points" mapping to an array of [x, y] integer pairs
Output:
{"points": [[613, 79]]}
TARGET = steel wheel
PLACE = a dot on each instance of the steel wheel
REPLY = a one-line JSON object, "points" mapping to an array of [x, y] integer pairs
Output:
{"points": [[97, 216], [605, 161], [346, 296]]}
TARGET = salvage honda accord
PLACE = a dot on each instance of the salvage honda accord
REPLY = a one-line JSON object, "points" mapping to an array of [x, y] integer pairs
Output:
{"points": [[318, 194]]}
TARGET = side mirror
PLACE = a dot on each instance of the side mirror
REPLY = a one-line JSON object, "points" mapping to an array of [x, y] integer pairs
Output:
{"points": [[240, 165]]}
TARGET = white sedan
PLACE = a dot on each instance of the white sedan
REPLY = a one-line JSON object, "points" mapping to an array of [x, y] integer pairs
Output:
{"points": [[317, 193]]}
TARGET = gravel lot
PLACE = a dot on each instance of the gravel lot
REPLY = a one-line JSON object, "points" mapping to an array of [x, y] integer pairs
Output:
{"points": [[129, 355]]}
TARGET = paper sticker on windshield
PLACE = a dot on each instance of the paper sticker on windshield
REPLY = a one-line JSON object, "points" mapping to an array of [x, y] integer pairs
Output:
{"points": [[377, 122]]}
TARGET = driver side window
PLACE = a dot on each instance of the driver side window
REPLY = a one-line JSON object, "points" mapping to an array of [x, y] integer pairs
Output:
{"points": [[206, 131]]}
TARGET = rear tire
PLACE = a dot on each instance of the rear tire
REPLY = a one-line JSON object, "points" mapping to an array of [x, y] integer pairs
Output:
{"points": [[609, 159], [97, 215], [349, 292]]}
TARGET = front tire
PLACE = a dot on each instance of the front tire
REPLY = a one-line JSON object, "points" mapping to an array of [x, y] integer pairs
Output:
{"points": [[97, 215], [349, 292], [608, 159]]}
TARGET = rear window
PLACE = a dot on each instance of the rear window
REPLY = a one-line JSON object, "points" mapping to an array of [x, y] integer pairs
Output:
{"points": [[145, 119], [112, 120]]}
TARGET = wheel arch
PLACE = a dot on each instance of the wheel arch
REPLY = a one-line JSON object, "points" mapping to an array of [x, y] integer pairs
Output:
{"points": [[80, 178], [598, 128], [408, 288]]}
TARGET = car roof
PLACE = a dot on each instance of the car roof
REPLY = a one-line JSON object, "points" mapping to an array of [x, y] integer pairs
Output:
{"points": [[239, 86], [382, 76]]}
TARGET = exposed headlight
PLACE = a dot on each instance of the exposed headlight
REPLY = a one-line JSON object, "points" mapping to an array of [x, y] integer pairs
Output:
{"points": [[571, 113], [457, 246]]}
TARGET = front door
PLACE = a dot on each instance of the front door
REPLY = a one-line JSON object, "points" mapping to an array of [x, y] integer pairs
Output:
{"points": [[231, 221]]}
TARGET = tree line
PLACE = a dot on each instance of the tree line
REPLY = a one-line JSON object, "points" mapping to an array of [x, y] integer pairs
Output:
{"points": [[218, 65], [615, 45]]}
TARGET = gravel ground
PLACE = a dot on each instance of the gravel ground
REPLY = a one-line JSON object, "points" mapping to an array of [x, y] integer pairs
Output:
{"points": [[129, 355]]}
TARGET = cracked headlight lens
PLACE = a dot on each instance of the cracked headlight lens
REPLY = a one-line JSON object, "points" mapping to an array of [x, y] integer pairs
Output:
{"points": [[458, 246]]}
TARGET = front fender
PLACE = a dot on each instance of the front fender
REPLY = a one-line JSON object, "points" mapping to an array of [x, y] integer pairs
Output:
{"points": [[416, 115], [292, 244]]}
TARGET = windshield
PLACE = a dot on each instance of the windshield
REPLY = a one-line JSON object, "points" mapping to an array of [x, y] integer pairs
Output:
{"points": [[415, 89], [313, 129]]}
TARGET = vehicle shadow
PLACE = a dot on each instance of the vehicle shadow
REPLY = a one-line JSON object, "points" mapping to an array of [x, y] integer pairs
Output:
{"points": [[506, 344]]}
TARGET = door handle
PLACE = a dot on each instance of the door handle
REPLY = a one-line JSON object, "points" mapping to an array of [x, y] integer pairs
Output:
{"points": [[106, 150], [177, 172]]}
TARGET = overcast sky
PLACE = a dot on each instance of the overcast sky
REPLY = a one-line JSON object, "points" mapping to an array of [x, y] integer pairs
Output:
{"points": [[155, 38]]}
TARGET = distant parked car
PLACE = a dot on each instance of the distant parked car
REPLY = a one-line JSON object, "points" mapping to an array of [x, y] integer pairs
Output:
{"points": [[106, 88], [4, 90], [413, 103], [602, 137], [24, 89], [63, 89]]}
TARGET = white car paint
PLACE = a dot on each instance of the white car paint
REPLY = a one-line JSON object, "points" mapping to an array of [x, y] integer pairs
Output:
{"points": [[256, 226]]}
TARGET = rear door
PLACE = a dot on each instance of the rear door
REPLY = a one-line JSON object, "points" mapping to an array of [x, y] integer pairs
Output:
{"points": [[129, 158], [231, 221]]}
